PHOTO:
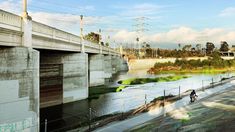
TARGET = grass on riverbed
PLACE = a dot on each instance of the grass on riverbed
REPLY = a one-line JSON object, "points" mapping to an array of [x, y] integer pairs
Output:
{"points": [[135, 81], [95, 92], [204, 71]]}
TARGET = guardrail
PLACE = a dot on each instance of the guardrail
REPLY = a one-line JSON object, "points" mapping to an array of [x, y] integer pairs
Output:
{"points": [[10, 19]]}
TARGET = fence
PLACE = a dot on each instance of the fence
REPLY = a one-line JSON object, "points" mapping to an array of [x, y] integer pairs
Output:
{"points": [[125, 104]]}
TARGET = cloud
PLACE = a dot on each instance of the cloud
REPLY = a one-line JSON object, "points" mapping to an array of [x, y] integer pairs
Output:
{"points": [[177, 34], [125, 36], [67, 22], [184, 35], [230, 11], [143, 9], [70, 19], [11, 6]]}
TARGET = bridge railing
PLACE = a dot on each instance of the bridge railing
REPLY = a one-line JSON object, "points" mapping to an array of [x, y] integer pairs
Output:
{"points": [[43, 30], [10, 19], [54, 33], [14, 22]]}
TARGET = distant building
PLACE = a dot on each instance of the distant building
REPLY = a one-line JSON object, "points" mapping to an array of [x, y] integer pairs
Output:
{"points": [[229, 53], [232, 48]]}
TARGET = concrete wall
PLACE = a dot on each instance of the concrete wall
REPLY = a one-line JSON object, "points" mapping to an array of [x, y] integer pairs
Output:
{"points": [[75, 73], [119, 64], [96, 70], [102, 67], [19, 86], [140, 64], [107, 68]]}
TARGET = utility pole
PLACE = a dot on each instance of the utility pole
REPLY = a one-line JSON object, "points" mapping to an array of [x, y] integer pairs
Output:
{"points": [[100, 38], [26, 26], [25, 13], [140, 28], [81, 33]]}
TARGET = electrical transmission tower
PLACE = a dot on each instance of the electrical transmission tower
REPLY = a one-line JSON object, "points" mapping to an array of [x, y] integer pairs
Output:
{"points": [[140, 28]]}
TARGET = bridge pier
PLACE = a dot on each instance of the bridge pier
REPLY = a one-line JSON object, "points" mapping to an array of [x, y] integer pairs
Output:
{"points": [[96, 70], [107, 68], [19, 86], [119, 64], [102, 67], [66, 75]]}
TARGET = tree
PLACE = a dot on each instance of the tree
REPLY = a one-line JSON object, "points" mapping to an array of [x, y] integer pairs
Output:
{"points": [[209, 47], [94, 37], [107, 44], [187, 47], [148, 49], [224, 46], [198, 46], [179, 46]]}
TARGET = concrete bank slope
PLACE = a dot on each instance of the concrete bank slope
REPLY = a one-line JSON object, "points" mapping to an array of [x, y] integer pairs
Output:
{"points": [[145, 117], [215, 113]]}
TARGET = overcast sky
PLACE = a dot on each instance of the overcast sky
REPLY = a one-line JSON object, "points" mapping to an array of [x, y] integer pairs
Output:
{"points": [[169, 22]]}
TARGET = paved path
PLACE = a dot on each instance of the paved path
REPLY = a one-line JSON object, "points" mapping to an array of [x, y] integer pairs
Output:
{"points": [[142, 118], [215, 113]]}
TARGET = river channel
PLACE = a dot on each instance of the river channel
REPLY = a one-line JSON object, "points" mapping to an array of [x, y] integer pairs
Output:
{"points": [[130, 98]]}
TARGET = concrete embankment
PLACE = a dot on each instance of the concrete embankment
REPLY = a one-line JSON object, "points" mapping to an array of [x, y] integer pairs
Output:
{"points": [[139, 64], [215, 113]]}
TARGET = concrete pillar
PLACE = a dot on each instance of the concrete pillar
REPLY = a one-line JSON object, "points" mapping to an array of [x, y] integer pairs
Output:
{"points": [[124, 64], [19, 86], [119, 64], [101, 49], [74, 73], [115, 64], [96, 70], [107, 67]]}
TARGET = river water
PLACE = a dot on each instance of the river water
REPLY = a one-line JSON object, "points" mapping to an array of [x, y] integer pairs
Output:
{"points": [[130, 98]]}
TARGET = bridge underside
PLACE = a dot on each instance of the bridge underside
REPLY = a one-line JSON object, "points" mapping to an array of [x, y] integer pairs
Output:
{"points": [[64, 75]]}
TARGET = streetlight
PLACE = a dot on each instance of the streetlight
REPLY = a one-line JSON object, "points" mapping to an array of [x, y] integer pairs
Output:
{"points": [[81, 33], [100, 38], [25, 13], [137, 39]]}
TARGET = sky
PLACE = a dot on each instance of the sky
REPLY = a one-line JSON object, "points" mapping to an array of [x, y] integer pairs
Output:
{"points": [[166, 23]]}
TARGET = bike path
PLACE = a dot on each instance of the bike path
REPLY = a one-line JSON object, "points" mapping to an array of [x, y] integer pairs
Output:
{"points": [[142, 118]]}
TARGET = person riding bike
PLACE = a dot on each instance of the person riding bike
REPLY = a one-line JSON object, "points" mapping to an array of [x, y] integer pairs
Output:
{"points": [[193, 96]]}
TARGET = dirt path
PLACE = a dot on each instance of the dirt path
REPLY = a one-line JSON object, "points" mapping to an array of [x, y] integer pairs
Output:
{"points": [[214, 113]]}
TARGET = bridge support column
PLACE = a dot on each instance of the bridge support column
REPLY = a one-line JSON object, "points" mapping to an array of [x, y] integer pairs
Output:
{"points": [[74, 76], [19, 89], [96, 70], [119, 64], [107, 67]]}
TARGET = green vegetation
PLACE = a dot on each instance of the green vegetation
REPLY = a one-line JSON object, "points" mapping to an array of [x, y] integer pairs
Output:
{"points": [[184, 120], [95, 92], [134, 81], [120, 88], [214, 64]]}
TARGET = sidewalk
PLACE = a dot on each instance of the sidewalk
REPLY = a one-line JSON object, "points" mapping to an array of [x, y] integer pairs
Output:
{"points": [[145, 117], [215, 113]]}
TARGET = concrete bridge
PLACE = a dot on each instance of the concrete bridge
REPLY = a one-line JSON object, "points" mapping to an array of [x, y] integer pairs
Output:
{"points": [[42, 66]]}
